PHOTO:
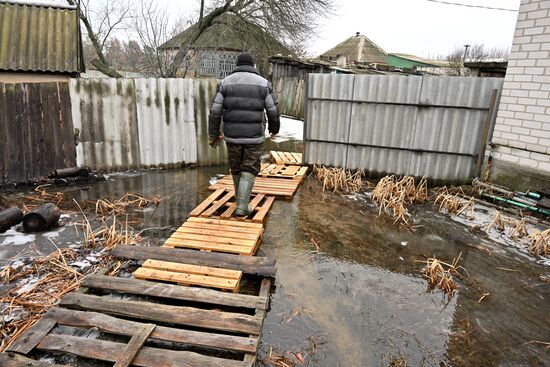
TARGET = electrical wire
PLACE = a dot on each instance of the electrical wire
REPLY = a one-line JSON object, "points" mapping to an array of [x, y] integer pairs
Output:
{"points": [[472, 6]]}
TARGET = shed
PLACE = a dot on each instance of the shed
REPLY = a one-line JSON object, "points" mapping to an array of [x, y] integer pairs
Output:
{"points": [[488, 68], [39, 42]]}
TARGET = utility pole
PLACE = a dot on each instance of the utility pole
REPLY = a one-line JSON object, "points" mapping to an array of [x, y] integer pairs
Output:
{"points": [[464, 57]]}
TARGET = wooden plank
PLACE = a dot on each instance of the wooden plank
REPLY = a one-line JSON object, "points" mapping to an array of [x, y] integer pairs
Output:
{"points": [[247, 264], [208, 319], [134, 345], [30, 339], [231, 249], [169, 291], [261, 214], [192, 269], [225, 222], [257, 199], [184, 279], [217, 239], [229, 230], [202, 206], [228, 213], [117, 326], [15, 360], [147, 357], [265, 288], [218, 204]]}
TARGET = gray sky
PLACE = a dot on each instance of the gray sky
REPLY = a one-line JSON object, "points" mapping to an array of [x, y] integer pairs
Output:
{"points": [[417, 27]]}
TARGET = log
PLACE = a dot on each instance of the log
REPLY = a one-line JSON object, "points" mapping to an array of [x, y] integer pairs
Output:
{"points": [[9, 218], [71, 172], [42, 218]]}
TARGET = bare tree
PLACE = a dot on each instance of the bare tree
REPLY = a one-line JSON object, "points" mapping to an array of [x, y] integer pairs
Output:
{"points": [[475, 52], [100, 23], [289, 21]]}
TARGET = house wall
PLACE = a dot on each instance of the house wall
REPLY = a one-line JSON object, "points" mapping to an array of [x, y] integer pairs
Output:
{"points": [[11, 77], [521, 152]]}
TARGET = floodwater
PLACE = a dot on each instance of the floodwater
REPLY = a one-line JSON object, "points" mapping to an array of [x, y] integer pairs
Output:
{"points": [[360, 299]]}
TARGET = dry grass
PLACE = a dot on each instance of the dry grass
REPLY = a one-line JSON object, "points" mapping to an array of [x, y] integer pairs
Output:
{"points": [[392, 194], [339, 180], [40, 285], [455, 205], [539, 242], [518, 228], [441, 275], [497, 221], [104, 207], [292, 358]]}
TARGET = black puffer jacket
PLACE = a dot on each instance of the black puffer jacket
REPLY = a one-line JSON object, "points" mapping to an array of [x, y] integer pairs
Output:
{"points": [[241, 99]]}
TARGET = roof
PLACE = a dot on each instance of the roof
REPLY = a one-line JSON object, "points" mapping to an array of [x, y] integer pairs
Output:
{"points": [[421, 60], [358, 49], [230, 32], [63, 4], [39, 38]]}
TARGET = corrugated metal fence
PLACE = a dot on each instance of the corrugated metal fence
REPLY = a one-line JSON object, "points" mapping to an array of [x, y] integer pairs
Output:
{"points": [[415, 125], [143, 123], [36, 130]]}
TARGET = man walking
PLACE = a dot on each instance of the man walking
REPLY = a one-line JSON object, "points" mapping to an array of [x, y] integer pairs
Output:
{"points": [[241, 99]]}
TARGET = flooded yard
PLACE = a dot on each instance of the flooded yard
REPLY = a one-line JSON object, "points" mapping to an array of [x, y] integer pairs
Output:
{"points": [[349, 291]]}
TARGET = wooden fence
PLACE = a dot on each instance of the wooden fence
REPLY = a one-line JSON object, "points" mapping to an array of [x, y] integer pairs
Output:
{"points": [[36, 130]]}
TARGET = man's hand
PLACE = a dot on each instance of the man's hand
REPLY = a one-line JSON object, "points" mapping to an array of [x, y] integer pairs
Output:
{"points": [[214, 142]]}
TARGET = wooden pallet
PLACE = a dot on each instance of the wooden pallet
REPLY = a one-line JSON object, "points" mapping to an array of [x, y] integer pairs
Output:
{"points": [[221, 205], [235, 237], [202, 333], [186, 274], [283, 171], [263, 185], [286, 157]]}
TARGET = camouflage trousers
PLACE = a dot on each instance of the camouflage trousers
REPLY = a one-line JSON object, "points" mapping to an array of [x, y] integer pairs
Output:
{"points": [[245, 157]]}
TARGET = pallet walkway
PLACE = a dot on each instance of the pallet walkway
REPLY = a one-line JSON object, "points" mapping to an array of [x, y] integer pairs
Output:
{"points": [[170, 297], [283, 171], [221, 204], [286, 157], [263, 185]]}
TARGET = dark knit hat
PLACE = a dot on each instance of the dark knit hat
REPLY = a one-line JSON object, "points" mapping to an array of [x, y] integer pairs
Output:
{"points": [[245, 59]]}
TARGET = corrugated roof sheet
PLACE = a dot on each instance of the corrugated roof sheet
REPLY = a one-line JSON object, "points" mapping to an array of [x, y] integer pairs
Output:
{"points": [[38, 38], [358, 49]]}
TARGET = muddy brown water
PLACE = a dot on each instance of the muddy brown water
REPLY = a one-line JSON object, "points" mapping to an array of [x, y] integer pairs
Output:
{"points": [[360, 300]]}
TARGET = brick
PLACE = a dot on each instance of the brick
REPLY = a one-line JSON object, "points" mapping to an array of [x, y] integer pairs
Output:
{"points": [[538, 54], [517, 144], [499, 140], [528, 139], [514, 48], [543, 102], [537, 14], [538, 38], [544, 46], [545, 142], [540, 157], [530, 86], [509, 100], [527, 6], [526, 47], [509, 158], [531, 31], [544, 166], [527, 39], [521, 130], [541, 133], [527, 101], [542, 118], [522, 78], [541, 79], [537, 148], [545, 4], [534, 71], [503, 128], [510, 136], [528, 162], [542, 22], [510, 114], [543, 62], [516, 107], [534, 109], [521, 153], [538, 94], [526, 62], [518, 93], [513, 122]]}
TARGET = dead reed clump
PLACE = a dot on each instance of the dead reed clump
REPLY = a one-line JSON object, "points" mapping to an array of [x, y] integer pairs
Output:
{"points": [[42, 196], [455, 205], [518, 228], [339, 180], [104, 207], [441, 275], [392, 194], [497, 221], [539, 242]]}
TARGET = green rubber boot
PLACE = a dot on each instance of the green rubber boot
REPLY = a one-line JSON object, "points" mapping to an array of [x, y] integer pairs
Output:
{"points": [[246, 184], [236, 179]]}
